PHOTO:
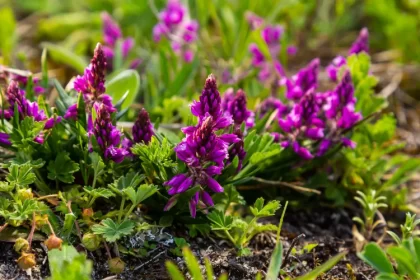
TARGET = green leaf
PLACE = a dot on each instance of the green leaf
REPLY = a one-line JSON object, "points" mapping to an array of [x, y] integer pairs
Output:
{"points": [[275, 262], [63, 55], [313, 274], [99, 192], [24, 133], [112, 231], [402, 174], [123, 82], [182, 79], [173, 271], [131, 179], [98, 164], [68, 264], [21, 175], [192, 264], [375, 257], [62, 168], [23, 210], [220, 221], [7, 32], [259, 210], [69, 220], [405, 261], [142, 193]]}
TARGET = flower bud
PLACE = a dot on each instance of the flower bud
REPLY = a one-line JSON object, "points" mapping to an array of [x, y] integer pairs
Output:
{"points": [[21, 245], [14, 223], [24, 194], [41, 220], [26, 261], [91, 241], [116, 265], [87, 213], [53, 242]]}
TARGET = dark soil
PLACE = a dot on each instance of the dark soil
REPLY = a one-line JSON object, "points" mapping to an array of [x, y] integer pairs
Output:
{"points": [[330, 229]]}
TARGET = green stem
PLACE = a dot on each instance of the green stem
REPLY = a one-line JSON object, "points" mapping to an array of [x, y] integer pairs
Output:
{"points": [[121, 209], [94, 181], [243, 238], [92, 200], [230, 237], [129, 212]]}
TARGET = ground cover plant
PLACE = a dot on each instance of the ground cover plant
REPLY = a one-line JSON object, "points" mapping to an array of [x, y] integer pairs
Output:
{"points": [[192, 140]]}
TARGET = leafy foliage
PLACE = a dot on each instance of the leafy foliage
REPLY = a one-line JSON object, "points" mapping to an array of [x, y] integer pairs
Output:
{"points": [[113, 231], [62, 168], [68, 264]]}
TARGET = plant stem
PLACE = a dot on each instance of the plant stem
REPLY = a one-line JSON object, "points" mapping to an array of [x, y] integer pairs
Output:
{"points": [[129, 211], [230, 237], [107, 250], [3, 227], [243, 240], [92, 200], [121, 209], [31, 234]]}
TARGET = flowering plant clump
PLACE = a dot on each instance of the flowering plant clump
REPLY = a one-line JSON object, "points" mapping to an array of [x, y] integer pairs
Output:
{"points": [[175, 24], [123, 163]]}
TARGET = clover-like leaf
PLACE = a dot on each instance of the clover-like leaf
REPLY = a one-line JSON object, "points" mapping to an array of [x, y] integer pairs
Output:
{"points": [[22, 211], [259, 210], [21, 175], [131, 179], [142, 193], [99, 192], [98, 164], [62, 168], [112, 231], [219, 221]]}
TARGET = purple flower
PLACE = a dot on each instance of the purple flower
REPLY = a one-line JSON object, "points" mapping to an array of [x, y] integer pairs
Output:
{"points": [[271, 36], [303, 122], [237, 108], [257, 56], [4, 139], [254, 21], [51, 122], [16, 97], [271, 104], [332, 69], [108, 136], [111, 30], [92, 83], [237, 150], [174, 24], [210, 101], [362, 43], [142, 129], [303, 81], [202, 150], [71, 112], [291, 50]]}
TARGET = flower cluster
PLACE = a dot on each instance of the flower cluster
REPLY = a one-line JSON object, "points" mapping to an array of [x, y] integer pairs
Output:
{"points": [[17, 99], [360, 45], [111, 34], [175, 24], [235, 107], [269, 68], [318, 116], [202, 150], [142, 130], [22, 77], [303, 81], [108, 136], [92, 85]]}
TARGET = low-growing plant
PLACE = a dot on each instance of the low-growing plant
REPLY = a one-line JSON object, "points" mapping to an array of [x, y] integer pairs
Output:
{"points": [[407, 229], [406, 256], [371, 203], [240, 231]]}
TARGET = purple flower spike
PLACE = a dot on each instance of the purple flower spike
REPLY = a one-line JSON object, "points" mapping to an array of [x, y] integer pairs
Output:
{"points": [[254, 21], [71, 112], [210, 101], [362, 42], [111, 30], [332, 69], [303, 81], [237, 108], [238, 150], [4, 139], [175, 24], [108, 136], [142, 129], [203, 151], [126, 46], [51, 122]]}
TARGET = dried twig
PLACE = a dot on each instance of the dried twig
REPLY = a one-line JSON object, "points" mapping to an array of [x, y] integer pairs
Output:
{"points": [[278, 184], [294, 241]]}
